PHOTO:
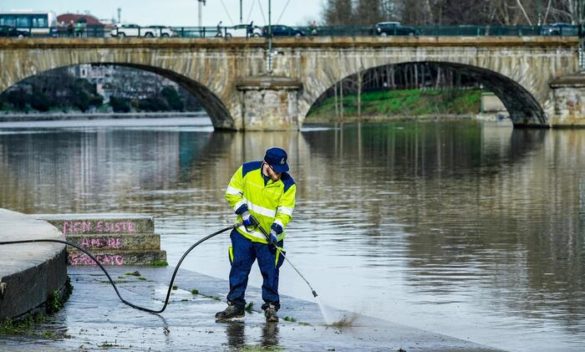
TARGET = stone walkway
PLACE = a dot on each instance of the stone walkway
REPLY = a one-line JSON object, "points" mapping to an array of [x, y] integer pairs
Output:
{"points": [[95, 319]]}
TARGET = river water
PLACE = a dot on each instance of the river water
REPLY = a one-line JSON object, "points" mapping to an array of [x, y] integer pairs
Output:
{"points": [[472, 230]]}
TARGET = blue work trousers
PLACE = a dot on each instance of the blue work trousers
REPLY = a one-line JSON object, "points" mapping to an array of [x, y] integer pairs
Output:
{"points": [[243, 253]]}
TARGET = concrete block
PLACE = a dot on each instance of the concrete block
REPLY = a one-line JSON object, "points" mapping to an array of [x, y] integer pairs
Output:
{"points": [[114, 239]]}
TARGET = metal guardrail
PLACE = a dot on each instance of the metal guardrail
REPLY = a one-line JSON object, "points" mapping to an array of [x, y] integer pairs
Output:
{"points": [[255, 31]]}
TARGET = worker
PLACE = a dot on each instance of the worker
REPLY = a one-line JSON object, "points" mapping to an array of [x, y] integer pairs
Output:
{"points": [[262, 194]]}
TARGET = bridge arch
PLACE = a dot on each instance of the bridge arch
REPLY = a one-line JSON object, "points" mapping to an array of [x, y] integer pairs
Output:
{"points": [[522, 105], [211, 103]]}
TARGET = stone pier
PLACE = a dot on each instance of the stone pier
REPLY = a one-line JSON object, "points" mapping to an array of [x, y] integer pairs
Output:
{"points": [[269, 103], [114, 239], [568, 96]]}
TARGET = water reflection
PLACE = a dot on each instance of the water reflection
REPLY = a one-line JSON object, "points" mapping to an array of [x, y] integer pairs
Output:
{"points": [[463, 229], [269, 337], [236, 335]]}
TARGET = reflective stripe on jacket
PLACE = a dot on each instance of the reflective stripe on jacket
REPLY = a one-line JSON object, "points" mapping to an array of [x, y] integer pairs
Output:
{"points": [[268, 201]]}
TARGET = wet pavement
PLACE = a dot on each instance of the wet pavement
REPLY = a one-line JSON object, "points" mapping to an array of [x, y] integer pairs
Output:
{"points": [[95, 319]]}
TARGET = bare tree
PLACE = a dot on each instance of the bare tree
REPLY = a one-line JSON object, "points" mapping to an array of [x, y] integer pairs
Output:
{"points": [[368, 12], [455, 12], [338, 12]]}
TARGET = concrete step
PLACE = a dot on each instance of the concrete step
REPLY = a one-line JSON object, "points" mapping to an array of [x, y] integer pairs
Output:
{"points": [[118, 257], [92, 242], [100, 224]]}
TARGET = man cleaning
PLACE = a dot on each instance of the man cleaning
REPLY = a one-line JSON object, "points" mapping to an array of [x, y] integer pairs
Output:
{"points": [[262, 195]]}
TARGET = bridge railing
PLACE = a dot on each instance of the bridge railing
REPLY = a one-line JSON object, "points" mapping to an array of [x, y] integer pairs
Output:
{"points": [[101, 31], [455, 30]]}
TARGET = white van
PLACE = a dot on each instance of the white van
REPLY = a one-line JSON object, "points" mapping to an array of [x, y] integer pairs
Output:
{"points": [[134, 30]]}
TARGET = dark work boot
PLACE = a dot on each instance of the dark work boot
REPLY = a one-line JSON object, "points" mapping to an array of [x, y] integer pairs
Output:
{"points": [[230, 313], [270, 314]]}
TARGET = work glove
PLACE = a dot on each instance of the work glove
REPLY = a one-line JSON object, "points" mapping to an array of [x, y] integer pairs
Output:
{"points": [[272, 238], [249, 221], [275, 230]]}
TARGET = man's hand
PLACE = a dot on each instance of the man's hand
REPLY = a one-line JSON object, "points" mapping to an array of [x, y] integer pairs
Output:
{"points": [[275, 230], [248, 220], [272, 238]]}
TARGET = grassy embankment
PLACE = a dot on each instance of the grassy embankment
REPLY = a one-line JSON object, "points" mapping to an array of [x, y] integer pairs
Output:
{"points": [[401, 104]]}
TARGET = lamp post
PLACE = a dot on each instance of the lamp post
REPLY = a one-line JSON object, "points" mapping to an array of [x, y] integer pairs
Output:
{"points": [[200, 12], [269, 69], [581, 32]]}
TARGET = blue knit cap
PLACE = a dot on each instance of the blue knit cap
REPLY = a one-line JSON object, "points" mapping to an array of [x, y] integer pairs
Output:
{"points": [[276, 158]]}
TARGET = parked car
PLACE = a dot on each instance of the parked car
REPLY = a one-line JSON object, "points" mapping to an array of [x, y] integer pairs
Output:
{"points": [[9, 31], [279, 30], [559, 29], [134, 30], [393, 28], [161, 31]]}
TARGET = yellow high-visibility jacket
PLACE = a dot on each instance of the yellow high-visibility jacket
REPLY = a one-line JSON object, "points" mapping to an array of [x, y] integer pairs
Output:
{"points": [[268, 201]]}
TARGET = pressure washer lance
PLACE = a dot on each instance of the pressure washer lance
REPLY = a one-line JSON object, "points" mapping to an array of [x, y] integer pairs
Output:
{"points": [[112, 281], [255, 222]]}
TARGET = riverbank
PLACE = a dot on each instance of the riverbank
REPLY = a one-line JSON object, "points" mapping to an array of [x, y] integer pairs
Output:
{"points": [[403, 104], [385, 118]]}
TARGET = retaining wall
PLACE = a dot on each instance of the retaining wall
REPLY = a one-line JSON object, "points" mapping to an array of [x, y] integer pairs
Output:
{"points": [[29, 273]]}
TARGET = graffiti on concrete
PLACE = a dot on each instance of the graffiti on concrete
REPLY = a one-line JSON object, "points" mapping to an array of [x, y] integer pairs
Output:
{"points": [[101, 242], [79, 227], [104, 259]]}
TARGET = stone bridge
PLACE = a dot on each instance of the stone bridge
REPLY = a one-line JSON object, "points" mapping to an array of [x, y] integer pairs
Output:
{"points": [[535, 77]]}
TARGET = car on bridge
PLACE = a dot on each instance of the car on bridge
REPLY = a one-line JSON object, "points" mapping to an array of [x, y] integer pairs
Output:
{"points": [[134, 30], [279, 30], [393, 28], [9, 31]]}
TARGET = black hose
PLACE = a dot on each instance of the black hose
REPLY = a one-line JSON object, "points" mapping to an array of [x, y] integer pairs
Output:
{"points": [[112, 281]]}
